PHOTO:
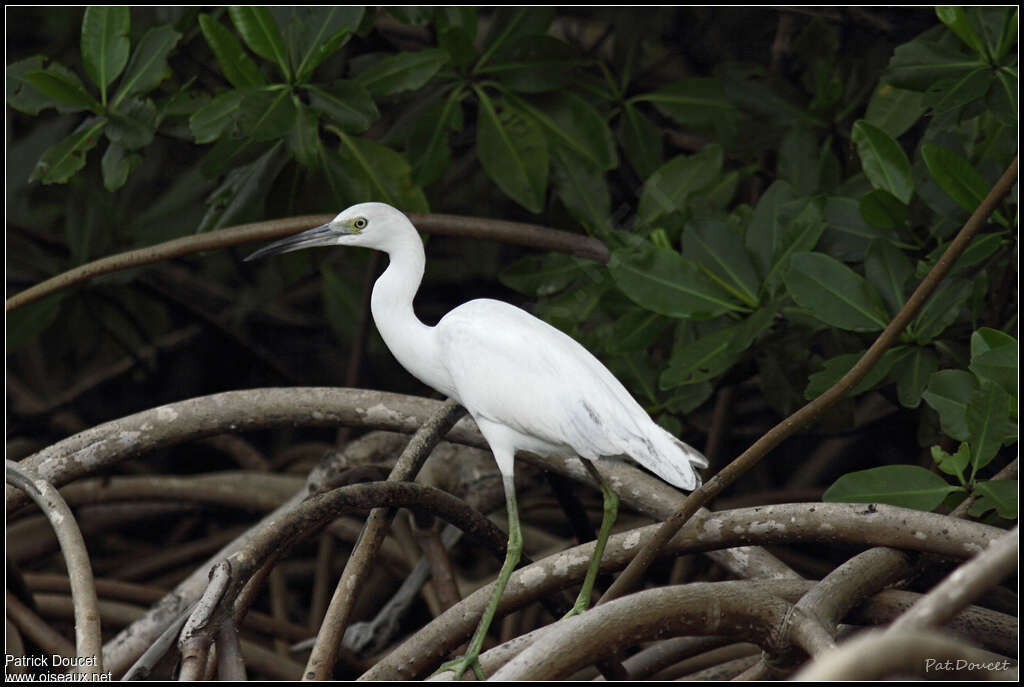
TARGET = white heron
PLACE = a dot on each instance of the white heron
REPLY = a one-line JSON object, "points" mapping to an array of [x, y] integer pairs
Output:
{"points": [[529, 386]]}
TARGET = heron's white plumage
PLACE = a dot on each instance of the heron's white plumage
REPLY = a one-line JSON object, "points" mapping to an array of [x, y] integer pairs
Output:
{"points": [[515, 370], [535, 387], [528, 385]]}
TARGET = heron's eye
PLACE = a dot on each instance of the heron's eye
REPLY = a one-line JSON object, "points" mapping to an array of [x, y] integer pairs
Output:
{"points": [[359, 223]]}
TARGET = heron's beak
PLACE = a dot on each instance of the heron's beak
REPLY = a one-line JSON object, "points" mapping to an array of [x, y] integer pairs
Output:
{"points": [[324, 235]]}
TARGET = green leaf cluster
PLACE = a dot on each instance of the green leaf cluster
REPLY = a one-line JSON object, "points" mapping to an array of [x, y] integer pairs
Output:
{"points": [[127, 116], [978, 408]]}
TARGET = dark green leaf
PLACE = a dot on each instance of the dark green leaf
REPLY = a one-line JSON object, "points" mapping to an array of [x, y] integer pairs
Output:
{"points": [[913, 376], [801, 225], [238, 67], [767, 223], [636, 331], [304, 138], [834, 293], [1001, 494], [956, 19], [882, 210], [573, 123], [260, 32], [847, 236], [583, 191], [940, 310], [456, 30], [894, 110], [385, 174], [922, 62], [888, 269], [533, 64], [60, 162], [133, 124], [227, 153], [117, 164], [63, 87], [798, 160], [948, 393], [542, 276], [105, 44], [210, 121], [957, 91], [834, 368], [148, 66], [267, 113], [696, 103], [994, 357], [988, 423], [909, 486], [979, 250], [712, 355], [313, 33], [717, 248], [405, 71], [955, 464], [243, 194], [510, 25], [701, 360], [668, 189], [345, 103], [955, 175], [641, 141], [513, 152], [662, 281], [22, 95], [883, 160], [427, 144]]}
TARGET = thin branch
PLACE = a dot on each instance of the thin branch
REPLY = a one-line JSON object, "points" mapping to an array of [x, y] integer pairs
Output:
{"points": [[812, 411], [88, 639], [542, 238]]}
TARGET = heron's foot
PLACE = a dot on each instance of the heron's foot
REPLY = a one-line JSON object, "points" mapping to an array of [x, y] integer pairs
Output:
{"points": [[580, 606], [459, 665]]}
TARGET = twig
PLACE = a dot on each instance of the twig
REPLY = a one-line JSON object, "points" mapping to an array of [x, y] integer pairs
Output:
{"points": [[88, 640], [813, 410], [36, 629], [543, 238]]}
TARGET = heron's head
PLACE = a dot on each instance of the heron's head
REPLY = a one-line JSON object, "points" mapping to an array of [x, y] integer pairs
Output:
{"points": [[371, 225]]}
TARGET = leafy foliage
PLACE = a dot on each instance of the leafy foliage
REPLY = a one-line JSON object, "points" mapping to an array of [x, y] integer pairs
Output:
{"points": [[764, 223]]}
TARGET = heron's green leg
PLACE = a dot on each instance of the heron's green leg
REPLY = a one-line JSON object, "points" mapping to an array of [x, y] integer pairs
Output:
{"points": [[611, 511], [512, 553]]}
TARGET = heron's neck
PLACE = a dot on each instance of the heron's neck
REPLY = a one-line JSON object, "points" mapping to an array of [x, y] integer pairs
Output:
{"points": [[412, 342]]}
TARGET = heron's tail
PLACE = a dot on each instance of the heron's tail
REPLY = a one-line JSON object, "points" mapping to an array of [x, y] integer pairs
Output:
{"points": [[674, 461]]}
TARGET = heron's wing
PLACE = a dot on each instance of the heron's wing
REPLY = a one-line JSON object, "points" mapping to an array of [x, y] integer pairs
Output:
{"points": [[516, 370]]}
